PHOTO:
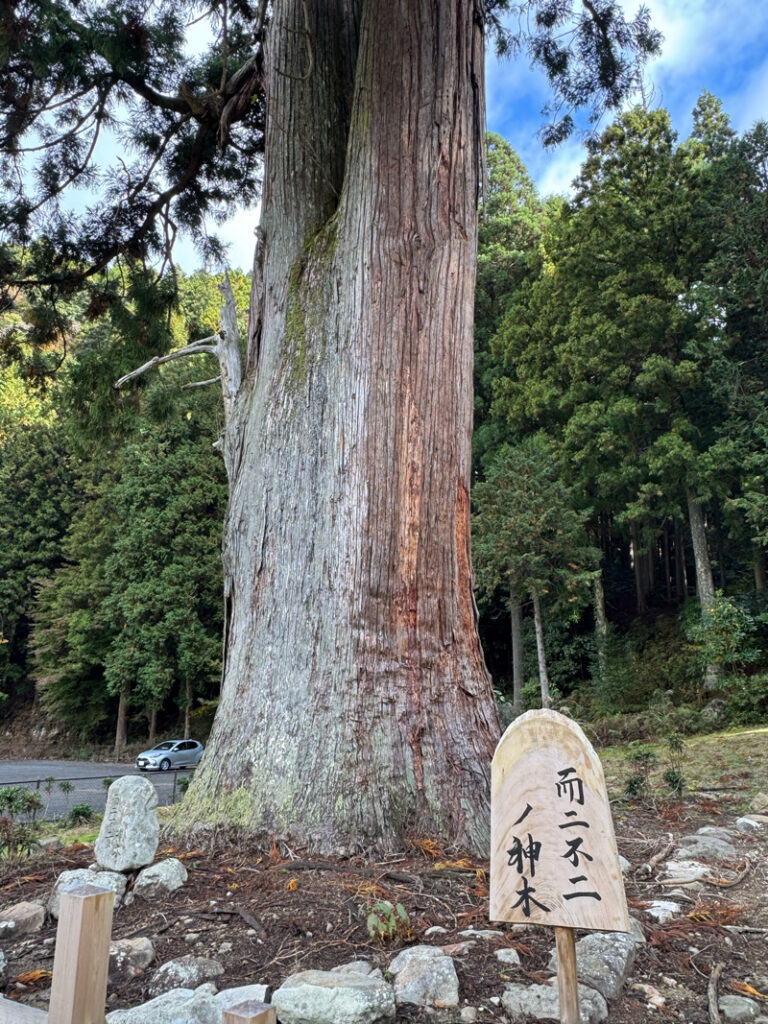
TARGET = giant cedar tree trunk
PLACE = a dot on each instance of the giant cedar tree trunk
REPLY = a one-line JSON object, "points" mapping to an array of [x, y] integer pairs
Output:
{"points": [[356, 708]]}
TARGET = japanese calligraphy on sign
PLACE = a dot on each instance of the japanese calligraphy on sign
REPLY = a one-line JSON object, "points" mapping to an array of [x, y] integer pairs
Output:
{"points": [[553, 852]]}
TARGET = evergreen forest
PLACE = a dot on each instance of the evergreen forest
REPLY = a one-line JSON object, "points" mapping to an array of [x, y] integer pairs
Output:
{"points": [[620, 497]]}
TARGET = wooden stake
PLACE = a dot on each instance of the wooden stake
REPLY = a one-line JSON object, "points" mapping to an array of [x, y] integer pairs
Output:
{"points": [[567, 984], [250, 1013], [81, 960]]}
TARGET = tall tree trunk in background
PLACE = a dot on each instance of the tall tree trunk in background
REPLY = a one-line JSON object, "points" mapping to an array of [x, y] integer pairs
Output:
{"points": [[705, 586], [758, 563], [152, 725], [121, 728], [637, 562], [601, 625], [356, 708], [667, 569], [187, 708], [546, 700], [719, 545], [516, 628]]}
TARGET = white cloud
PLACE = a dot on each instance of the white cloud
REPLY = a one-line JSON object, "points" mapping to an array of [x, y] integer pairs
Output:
{"points": [[558, 167]]}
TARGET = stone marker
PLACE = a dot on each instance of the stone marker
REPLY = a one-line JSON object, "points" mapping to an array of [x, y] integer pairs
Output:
{"points": [[130, 830]]}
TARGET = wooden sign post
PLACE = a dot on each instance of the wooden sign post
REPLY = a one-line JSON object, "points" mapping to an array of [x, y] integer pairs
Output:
{"points": [[553, 851]]}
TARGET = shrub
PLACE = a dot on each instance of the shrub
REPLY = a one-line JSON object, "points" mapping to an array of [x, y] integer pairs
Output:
{"points": [[80, 814]]}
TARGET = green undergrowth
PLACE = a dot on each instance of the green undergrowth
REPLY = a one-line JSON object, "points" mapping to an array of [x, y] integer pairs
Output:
{"points": [[733, 763]]}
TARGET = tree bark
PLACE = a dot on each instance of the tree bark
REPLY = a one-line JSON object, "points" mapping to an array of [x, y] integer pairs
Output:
{"points": [[705, 586], [601, 626], [187, 708], [758, 564], [667, 571], [152, 725], [637, 562], [546, 700], [121, 728], [516, 629], [356, 708]]}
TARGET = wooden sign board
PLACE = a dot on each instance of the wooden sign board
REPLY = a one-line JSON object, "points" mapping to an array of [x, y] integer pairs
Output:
{"points": [[553, 851]]}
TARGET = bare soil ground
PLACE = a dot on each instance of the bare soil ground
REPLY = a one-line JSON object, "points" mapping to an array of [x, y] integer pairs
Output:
{"points": [[265, 915]]}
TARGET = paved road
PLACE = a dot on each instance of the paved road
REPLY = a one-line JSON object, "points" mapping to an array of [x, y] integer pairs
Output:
{"points": [[87, 779]]}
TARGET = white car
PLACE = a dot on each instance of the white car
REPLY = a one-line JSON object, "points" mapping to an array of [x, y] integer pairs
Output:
{"points": [[170, 754]]}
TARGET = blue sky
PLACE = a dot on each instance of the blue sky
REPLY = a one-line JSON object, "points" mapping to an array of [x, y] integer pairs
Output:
{"points": [[719, 46]]}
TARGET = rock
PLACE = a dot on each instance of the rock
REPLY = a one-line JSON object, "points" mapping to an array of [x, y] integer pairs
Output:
{"points": [[49, 844], [746, 825], [652, 995], [184, 972], [425, 976], [663, 910], [715, 712], [685, 870], [603, 961], [624, 865], [482, 933], [508, 956], [128, 958], [230, 997], [542, 1002], [436, 929], [717, 831], [7, 929], [706, 847], [364, 967], [163, 877], [192, 1006], [26, 918], [738, 1009], [2, 965], [82, 876], [759, 803], [130, 830], [469, 1014], [322, 997]]}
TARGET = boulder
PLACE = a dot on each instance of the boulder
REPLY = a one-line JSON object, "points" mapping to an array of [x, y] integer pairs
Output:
{"points": [[425, 976], [128, 958], [663, 910], [184, 972], [164, 877], [759, 803], [488, 934], [26, 918], [706, 847], [738, 1009], [543, 1003], [192, 1006], [603, 961], [508, 956], [726, 834], [685, 870], [364, 967], [746, 825], [83, 876], [324, 997], [715, 712], [230, 997], [130, 830]]}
